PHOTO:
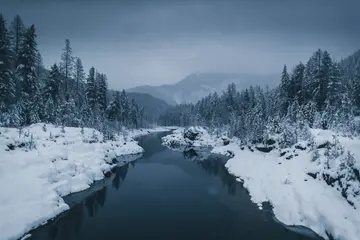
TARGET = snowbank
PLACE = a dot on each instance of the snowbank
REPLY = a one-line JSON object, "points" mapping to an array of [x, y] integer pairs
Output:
{"points": [[312, 184], [191, 137], [43, 163]]}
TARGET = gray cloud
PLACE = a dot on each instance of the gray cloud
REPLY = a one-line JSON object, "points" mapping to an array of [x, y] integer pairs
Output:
{"points": [[156, 42]]}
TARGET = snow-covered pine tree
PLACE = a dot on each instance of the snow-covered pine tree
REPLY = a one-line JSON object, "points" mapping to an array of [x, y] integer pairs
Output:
{"points": [[114, 109], [27, 60], [66, 66], [334, 88], [16, 32], [312, 77], [325, 75], [86, 114], [285, 91], [79, 81], [69, 114], [39, 65], [50, 111], [27, 72], [53, 83], [35, 108], [91, 88], [297, 78], [7, 86], [125, 108], [101, 91], [134, 114]]}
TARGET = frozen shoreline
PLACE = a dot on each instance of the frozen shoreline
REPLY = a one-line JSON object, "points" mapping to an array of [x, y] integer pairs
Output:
{"points": [[44, 163], [281, 178]]}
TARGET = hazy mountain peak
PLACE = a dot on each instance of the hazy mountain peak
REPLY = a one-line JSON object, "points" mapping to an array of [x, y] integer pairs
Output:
{"points": [[198, 85]]}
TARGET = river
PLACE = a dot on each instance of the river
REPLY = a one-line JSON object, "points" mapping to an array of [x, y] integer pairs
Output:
{"points": [[167, 194]]}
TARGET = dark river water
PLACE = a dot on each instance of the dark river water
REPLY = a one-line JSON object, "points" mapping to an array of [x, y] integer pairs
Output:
{"points": [[167, 194]]}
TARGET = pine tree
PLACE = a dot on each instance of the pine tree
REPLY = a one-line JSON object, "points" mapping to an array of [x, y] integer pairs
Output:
{"points": [[79, 79], [69, 114], [39, 65], [17, 31], [134, 114], [285, 91], [125, 108], [325, 75], [91, 88], [312, 77], [334, 88], [66, 66], [309, 111], [7, 86], [50, 111], [35, 109], [27, 60], [297, 79], [52, 87], [101, 91], [114, 108], [86, 114]]}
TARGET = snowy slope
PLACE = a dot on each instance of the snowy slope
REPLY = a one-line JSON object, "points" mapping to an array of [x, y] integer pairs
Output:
{"points": [[281, 178], [196, 86], [42, 164]]}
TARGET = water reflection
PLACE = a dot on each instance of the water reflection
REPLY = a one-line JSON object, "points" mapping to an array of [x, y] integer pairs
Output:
{"points": [[196, 154], [95, 202], [68, 225], [165, 197], [217, 168], [120, 175], [213, 165]]}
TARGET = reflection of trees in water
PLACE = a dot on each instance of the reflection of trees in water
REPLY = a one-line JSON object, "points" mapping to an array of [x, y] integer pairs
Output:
{"points": [[196, 154], [101, 197], [95, 202], [120, 175], [65, 227], [190, 153], [213, 166], [69, 224]]}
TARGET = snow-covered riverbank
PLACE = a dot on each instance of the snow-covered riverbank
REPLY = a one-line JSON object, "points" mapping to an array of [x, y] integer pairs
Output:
{"points": [[43, 163], [313, 184]]}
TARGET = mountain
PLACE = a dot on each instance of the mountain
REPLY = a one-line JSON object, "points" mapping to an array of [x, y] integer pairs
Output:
{"points": [[196, 86], [153, 106]]}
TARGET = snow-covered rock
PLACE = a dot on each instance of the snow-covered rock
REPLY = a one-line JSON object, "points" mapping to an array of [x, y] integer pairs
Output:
{"points": [[42, 163], [192, 137], [313, 183]]}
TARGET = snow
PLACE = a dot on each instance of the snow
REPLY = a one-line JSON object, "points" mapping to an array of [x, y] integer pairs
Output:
{"points": [[297, 198], [26, 236], [203, 139], [44, 163]]}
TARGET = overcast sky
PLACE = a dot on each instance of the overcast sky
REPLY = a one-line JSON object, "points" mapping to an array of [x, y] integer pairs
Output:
{"points": [[156, 42]]}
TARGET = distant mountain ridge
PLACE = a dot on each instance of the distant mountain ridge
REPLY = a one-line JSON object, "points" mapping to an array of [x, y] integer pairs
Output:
{"points": [[153, 107], [198, 85]]}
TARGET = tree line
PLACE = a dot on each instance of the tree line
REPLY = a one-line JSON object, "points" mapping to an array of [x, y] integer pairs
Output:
{"points": [[322, 93], [63, 95]]}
